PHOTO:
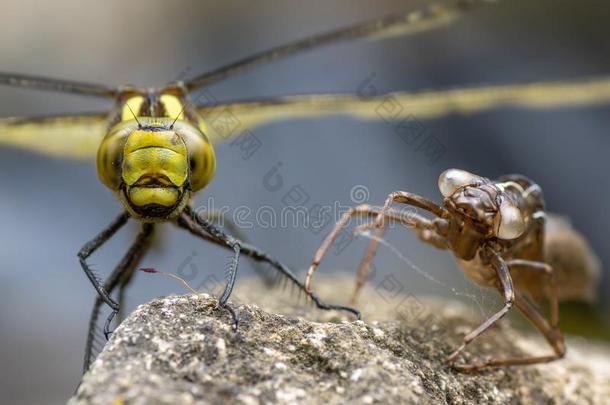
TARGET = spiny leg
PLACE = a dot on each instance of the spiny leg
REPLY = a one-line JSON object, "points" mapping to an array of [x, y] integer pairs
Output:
{"points": [[186, 221], [508, 293], [544, 269], [122, 298], [122, 294], [407, 198], [121, 276], [219, 217], [330, 238], [365, 264], [232, 243], [550, 330], [552, 335], [414, 200], [380, 225], [90, 247], [410, 219], [137, 251], [425, 229], [362, 211]]}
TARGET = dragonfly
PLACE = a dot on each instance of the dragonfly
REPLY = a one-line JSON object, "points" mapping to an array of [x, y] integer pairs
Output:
{"points": [[155, 150], [158, 114]]}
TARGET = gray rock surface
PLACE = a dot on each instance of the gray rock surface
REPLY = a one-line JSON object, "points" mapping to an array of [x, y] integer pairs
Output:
{"points": [[182, 350]]}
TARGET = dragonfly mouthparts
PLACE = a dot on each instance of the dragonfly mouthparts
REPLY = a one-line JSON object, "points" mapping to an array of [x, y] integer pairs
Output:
{"points": [[153, 180]]}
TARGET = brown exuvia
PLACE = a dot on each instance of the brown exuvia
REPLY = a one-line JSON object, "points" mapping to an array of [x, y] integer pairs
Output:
{"points": [[498, 231]]}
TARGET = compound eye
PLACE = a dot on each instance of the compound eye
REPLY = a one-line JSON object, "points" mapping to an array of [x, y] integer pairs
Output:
{"points": [[110, 154], [202, 164], [509, 221], [202, 160], [453, 179]]}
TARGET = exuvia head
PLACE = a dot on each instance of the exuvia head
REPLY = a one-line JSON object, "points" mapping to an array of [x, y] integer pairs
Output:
{"points": [[481, 204], [155, 164]]}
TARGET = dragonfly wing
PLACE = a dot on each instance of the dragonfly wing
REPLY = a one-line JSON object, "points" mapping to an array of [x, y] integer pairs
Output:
{"points": [[406, 23], [65, 136], [228, 120], [60, 85]]}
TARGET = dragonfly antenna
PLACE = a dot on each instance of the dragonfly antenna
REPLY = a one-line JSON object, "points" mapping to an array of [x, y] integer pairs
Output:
{"points": [[134, 115], [178, 116]]}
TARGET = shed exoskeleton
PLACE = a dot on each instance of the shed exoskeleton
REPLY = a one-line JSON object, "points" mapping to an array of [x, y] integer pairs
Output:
{"points": [[496, 231]]}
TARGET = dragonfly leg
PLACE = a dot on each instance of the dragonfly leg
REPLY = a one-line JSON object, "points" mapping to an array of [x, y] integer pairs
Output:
{"points": [[187, 221], [363, 210], [231, 271], [553, 336], [508, 293], [380, 225], [219, 218], [547, 271], [121, 276], [549, 329], [90, 247]]}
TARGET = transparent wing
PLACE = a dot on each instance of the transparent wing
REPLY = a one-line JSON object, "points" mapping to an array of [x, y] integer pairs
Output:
{"points": [[60, 85], [66, 136], [432, 16], [225, 121]]}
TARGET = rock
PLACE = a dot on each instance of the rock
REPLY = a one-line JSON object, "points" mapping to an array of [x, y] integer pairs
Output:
{"points": [[182, 350]]}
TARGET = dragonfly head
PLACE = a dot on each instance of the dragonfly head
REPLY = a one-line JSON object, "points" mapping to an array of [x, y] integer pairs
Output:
{"points": [[482, 207], [155, 166]]}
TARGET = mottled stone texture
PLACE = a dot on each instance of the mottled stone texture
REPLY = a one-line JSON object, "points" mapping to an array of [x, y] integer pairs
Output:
{"points": [[182, 350]]}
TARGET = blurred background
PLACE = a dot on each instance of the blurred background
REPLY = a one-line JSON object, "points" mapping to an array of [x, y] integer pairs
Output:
{"points": [[50, 207]]}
